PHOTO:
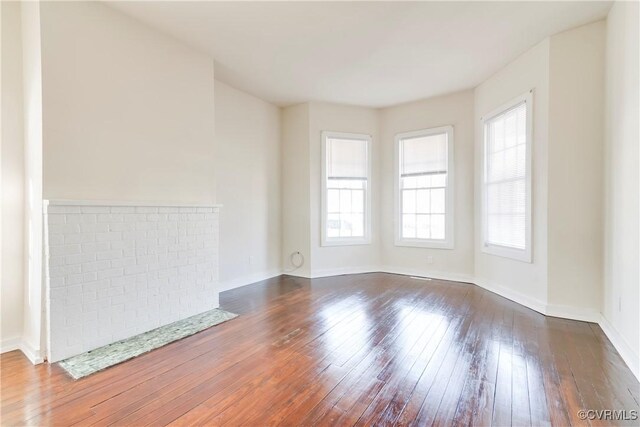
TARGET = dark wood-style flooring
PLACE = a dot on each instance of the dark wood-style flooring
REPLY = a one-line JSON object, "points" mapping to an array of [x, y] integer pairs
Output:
{"points": [[368, 349]]}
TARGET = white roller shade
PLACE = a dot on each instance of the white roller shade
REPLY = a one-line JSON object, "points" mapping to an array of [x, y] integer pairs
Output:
{"points": [[424, 155], [346, 158]]}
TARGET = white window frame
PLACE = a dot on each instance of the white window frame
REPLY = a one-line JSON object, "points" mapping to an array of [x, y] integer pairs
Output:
{"points": [[344, 241], [523, 255], [448, 242]]}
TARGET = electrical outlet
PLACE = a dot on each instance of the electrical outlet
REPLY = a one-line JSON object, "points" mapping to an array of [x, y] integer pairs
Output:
{"points": [[429, 259], [619, 303], [251, 259]]}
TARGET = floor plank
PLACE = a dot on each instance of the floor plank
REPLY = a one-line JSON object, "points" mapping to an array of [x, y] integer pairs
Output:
{"points": [[366, 349]]}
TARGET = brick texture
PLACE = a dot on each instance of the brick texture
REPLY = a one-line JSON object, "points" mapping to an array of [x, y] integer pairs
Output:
{"points": [[116, 271]]}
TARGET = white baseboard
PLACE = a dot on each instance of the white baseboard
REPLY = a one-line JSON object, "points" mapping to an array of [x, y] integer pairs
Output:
{"points": [[328, 272], [515, 296], [17, 343], [629, 356], [248, 280], [35, 356], [432, 274], [552, 310], [573, 313], [10, 344]]}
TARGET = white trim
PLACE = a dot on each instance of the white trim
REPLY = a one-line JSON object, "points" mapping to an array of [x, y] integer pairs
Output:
{"points": [[339, 271], [431, 274], [16, 343], [344, 241], [573, 313], [296, 273], [34, 356], [33, 162], [46, 333], [630, 357], [10, 344], [515, 296], [503, 251], [250, 279], [130, 203], [449, 217]]}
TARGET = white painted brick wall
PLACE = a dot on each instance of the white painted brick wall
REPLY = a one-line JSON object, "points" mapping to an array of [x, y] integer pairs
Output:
{"points": [[117, 271]]}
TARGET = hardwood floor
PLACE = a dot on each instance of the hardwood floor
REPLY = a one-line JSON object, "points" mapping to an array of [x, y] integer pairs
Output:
{"points": [[368, 349]]}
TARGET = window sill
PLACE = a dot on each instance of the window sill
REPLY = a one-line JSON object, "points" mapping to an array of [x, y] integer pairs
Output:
{"points": [[427, 244], [522, 255], [355, 242]]}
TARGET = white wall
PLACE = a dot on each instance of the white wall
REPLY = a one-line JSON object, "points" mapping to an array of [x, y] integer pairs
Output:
{"points": [[118, 99], [32, 102], [576, 131], [342, 118], [248, 177], [456, 110], [129, 111], [295, 188], [13, 162], [525, 282], [621, 293]]}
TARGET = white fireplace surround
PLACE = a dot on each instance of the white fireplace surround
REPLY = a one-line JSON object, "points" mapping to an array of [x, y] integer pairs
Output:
{"points": [[117, 269]]}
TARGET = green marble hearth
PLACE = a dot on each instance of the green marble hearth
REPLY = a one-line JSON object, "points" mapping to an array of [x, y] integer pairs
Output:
{"points": [[103, 357]]}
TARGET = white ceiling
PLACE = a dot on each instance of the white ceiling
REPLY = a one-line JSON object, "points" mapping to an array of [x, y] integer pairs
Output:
{"points": [[363, 53]]}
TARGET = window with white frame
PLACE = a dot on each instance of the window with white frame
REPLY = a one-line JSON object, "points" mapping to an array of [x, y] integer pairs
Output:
{"points": [[506, 210], [346, 206], [424, 188]]}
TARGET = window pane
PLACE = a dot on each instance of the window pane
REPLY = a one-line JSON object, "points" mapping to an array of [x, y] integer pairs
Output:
{"points": [[423, 181], [358, 225], [437, 201], [497, 132], [409, 201], [409, 226], [493, 199], [495, 229], [510, 137], [518, 223], [346, 167], [357, 201], [346, 224], [423, 201], [422, 226], [409, 182], [521, 160], [333, 225], [345, 200], [496, 167], [437, 226], [519, 197], [439, 180], [346, 183], [423, 166], [333, 201], [510, 163], [505, 185]]}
